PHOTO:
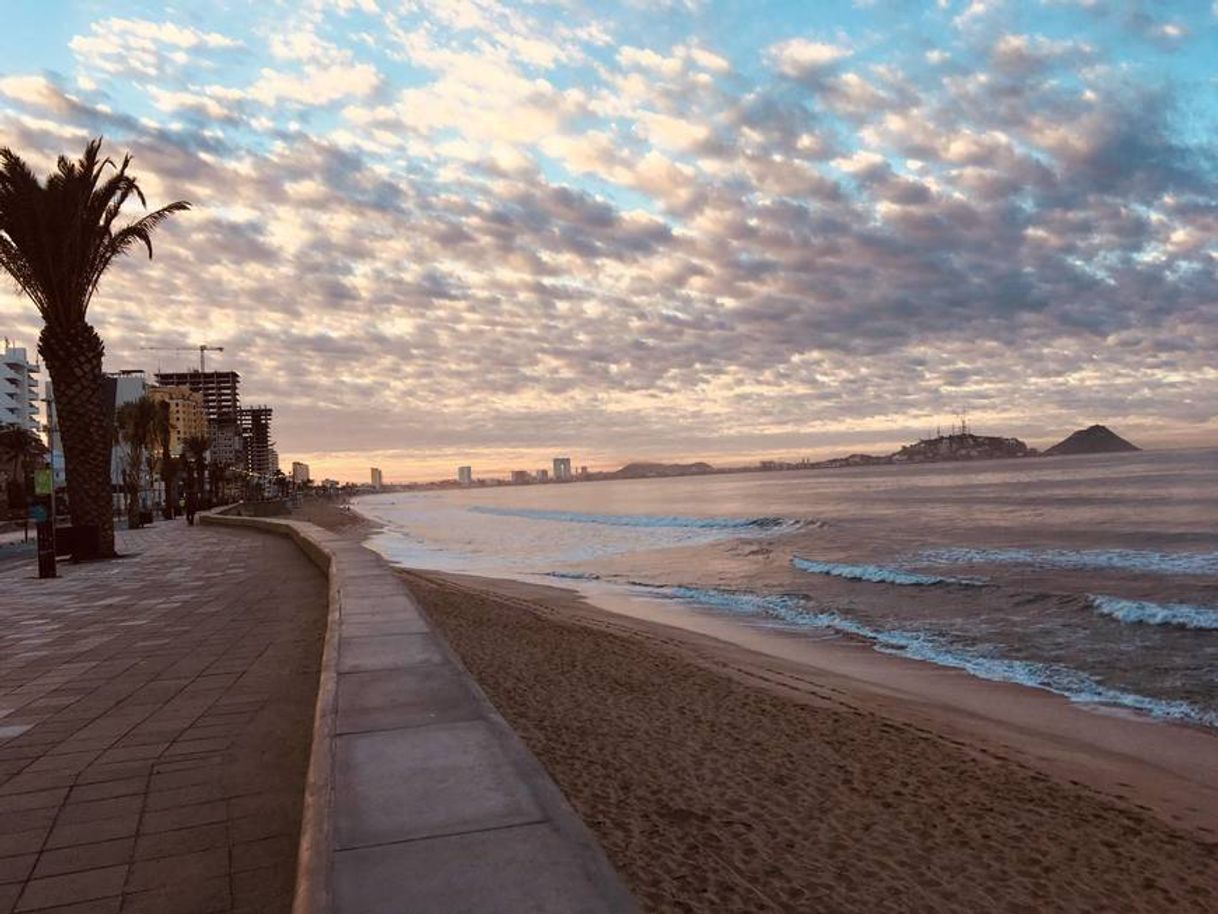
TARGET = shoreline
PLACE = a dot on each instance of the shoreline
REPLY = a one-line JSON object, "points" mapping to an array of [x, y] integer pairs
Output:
{"points": [[1132, 757], [1144, 763], [719, 778]]}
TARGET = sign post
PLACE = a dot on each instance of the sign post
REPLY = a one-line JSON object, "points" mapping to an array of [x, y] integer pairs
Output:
{"points": [[43, 512]]}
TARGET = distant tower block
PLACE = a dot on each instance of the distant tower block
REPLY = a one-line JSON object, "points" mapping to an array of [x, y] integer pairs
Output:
{"points": [[465, 476], [378, 479], [562, 468]]}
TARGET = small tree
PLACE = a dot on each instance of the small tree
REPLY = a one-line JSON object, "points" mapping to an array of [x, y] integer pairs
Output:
{"points": [[195, 453], [135, 423], [20, 452]]}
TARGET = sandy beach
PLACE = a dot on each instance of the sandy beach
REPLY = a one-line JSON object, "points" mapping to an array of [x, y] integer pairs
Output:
{"points": [[717, 782]]}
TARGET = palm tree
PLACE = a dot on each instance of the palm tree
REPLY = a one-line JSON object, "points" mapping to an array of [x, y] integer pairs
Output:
{"points": [[20, 449], [135, 423], [56, 240], [163, 429], [197, 446]]}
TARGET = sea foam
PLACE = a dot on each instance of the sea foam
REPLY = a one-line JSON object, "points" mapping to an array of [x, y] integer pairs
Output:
{"points": [[1072, 684], [1182, 615], [873, 573], [644, 520], [1190, 563]]}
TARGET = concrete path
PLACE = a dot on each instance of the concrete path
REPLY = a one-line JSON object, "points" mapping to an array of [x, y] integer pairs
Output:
{"points": [[421, 799], [155, 718]]}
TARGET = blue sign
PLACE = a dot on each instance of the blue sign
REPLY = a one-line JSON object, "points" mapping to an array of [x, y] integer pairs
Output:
{"points": [[38, 514]]}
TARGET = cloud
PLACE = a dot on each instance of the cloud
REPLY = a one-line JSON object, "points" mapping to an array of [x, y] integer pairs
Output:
{"points": [[508, 229], [799, 58], [141, 46]]}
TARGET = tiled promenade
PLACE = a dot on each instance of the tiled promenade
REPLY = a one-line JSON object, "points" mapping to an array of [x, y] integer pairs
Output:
{"points": [[155, 717]]}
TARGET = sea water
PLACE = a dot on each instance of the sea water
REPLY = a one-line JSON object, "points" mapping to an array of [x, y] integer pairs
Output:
{"points": [[1092, 577]]}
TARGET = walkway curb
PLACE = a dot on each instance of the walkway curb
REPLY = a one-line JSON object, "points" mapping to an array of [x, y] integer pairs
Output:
{"points": [[419, 795]]}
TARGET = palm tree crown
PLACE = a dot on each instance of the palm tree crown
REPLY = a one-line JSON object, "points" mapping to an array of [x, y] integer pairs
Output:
{"points": [[58, 238]]}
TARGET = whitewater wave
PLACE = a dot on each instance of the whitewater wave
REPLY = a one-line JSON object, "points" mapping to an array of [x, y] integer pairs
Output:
{"points": [[574, 575], [875, 573], [1182, 615], [1072, 684], [1188, 563], [645, 520]]}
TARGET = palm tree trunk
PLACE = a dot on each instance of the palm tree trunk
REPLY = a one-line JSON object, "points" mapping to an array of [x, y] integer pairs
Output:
{"points": [[73, 355]]}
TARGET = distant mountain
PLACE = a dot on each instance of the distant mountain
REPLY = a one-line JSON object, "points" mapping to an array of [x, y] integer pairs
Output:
{"points": [[644, 470], [1097, 439], [961, 446]]}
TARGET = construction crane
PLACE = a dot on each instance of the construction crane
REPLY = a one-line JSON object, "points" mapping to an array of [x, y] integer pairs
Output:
{"points": [[203, 349]]}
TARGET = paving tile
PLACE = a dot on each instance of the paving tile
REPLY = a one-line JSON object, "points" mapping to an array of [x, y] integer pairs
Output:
{"points": [[386, 699], [16, 869], [161, 872], [84, 857], [209, 897], [387, 652], [106, 789], [96, 810], [471, 872], [36, 799], [72, 887], [91, 832], [23, 842], [181, 841], [184, 817], [109, 905], [392, 785]]}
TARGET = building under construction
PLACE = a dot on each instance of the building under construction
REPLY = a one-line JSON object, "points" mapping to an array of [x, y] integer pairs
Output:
{"points": [[255, 422], [221, 390]]}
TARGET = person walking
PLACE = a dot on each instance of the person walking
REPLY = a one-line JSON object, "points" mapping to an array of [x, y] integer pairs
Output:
{"points": [[192, 505]]}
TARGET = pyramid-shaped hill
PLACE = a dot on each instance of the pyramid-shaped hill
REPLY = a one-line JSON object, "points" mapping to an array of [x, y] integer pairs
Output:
{"points": [[1098, 439]]}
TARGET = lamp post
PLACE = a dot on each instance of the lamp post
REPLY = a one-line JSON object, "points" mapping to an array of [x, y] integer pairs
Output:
{"points": [[44, 502]]}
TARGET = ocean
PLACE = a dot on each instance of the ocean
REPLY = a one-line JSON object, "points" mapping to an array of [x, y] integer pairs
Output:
{"points": [[1092, 577]]}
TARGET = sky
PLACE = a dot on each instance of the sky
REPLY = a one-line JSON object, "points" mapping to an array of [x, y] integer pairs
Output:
{"points": [[442, 232]]}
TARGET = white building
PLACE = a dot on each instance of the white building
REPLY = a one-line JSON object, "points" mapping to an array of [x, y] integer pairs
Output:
{"points": [[18, 389], [378, 478], [300, 472], [465, 476], [562, 468], [120, 388]]}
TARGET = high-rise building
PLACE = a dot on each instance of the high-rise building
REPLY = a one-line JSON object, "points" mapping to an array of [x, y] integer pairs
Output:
{"points": [[255, 424], [227, 442], [562, 468], [543, 475], [187, 418], [520, 477], [18, 389], [378, 478], [465, 476], [300, 472], [220, 389], [272, 457]]}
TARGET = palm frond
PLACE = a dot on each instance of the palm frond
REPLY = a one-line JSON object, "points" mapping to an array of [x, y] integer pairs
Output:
{"points": [[57, 238]]}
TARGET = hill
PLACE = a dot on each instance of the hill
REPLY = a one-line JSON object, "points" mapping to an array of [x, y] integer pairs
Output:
{"points": [[649, 470], [1097, 439]]}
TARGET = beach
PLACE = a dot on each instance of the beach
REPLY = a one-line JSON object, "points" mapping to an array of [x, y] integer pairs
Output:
{"points": [[717, 781]]}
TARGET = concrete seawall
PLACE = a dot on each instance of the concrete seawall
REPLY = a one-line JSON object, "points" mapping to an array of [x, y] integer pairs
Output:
{"points": [[420, 797]]}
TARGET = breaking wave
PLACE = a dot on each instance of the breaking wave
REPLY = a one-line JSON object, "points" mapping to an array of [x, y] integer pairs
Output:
{"points": [[574, 575], [1118, 559], [1061, 680], [874, 573], [1182, 615], [645, 520]]}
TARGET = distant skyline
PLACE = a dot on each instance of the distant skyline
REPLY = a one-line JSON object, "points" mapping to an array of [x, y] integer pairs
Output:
{"points": [[447, 232]]}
